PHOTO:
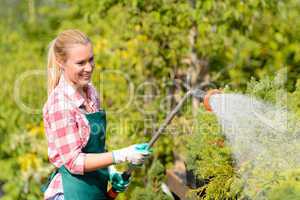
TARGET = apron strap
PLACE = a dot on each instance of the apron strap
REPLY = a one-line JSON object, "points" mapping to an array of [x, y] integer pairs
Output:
{"points": [[46, 185]]}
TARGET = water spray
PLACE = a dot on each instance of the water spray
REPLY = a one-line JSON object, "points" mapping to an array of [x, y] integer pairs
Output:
{"points": [[201, 95]]}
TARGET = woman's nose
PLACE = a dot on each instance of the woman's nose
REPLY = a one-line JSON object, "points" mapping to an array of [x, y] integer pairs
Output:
{"points": [[89, 67]]}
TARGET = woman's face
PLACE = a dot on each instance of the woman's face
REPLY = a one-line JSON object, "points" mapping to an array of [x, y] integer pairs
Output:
{"points": [[79, 65]]}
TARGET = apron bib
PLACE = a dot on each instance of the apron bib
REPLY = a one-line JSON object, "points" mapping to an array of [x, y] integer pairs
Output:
{"points": [[91, 185]]}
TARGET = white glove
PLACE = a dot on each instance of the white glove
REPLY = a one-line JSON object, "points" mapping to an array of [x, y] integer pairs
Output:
{"points": [[135, 154]]}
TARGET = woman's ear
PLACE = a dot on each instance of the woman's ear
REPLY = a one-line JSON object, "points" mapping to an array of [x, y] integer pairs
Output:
{"points": [[60, 65]]}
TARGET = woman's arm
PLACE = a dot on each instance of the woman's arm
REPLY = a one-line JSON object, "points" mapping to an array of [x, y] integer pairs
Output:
{"points": [[64, 141], [95, 161], [135, 154]]}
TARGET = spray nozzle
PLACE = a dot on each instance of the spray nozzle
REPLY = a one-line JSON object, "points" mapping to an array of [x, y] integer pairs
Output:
{"points": [[207, 96], [204, 96]]}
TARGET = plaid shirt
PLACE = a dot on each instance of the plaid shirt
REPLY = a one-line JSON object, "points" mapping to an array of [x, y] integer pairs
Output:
{"points": [[67, 130]]}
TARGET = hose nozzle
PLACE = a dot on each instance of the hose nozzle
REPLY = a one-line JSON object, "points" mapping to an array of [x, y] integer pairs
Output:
{"points": [[204, 96], [207, 97]]}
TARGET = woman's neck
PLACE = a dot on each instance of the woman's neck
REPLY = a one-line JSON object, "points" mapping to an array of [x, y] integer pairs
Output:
{"points": [[81, 89]]}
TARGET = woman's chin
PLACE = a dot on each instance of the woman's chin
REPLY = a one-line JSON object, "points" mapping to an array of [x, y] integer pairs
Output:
{"points": [[84, 82]]}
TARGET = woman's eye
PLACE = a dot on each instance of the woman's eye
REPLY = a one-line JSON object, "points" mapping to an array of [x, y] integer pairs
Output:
{"points": [[91, 60], [80, 63]]}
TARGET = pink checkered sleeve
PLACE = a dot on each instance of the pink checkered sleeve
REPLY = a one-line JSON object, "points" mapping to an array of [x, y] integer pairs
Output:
{"points": [[64, 139]]}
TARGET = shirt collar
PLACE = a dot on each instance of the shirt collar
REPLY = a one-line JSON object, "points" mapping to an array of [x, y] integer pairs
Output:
{"points": [[70, 92]]}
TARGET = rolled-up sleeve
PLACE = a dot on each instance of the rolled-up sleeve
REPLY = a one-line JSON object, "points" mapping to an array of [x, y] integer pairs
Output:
{"points": [[64, 140]]}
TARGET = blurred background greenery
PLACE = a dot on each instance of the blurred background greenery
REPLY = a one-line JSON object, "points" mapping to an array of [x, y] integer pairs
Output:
{"points": [[146, 52]]}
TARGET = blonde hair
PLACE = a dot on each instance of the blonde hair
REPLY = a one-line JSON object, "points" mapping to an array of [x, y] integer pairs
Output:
{"points": [[57, 52]]}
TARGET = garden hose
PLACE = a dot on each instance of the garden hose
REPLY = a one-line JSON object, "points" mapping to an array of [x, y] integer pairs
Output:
{"points": [[197, 93]]}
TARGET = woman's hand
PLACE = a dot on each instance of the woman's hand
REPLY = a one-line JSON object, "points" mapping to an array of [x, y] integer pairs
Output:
{"points": [[135, 154], [117, 182]]}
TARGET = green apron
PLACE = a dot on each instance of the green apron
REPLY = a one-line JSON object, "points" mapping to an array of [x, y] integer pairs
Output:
{"points": [[91, 185]]}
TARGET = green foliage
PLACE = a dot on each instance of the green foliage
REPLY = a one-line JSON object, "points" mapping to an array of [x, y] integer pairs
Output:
{"points": [[288, 187], [244, 39], [210, 158], [152, 188]]}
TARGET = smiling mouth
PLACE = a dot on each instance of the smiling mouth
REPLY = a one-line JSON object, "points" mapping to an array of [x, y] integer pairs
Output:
{"points": [[86, 76]]}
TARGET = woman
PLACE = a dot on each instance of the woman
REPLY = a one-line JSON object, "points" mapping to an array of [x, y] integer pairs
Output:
{"points": [[75, 126]]}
